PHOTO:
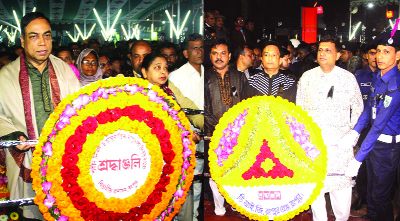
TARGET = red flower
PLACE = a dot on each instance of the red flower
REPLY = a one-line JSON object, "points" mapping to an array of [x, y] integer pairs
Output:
{"points": [[69, 159], [90, 124], [146, 207], [154, 197], [76, 193], [168, 169], [103, 117], [115, 114]]}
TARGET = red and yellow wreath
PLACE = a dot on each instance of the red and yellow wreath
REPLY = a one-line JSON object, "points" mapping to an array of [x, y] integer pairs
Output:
{"points": [[118, 149], [268, 158]]}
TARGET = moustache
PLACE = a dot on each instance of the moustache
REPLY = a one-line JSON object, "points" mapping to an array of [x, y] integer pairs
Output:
{"points": [[218, 60]]}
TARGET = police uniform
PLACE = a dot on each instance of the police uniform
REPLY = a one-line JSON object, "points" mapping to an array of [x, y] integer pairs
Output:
{"points": [[382, 144], [364, 79]]}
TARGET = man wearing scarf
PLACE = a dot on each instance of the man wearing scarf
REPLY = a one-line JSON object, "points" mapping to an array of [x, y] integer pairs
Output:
{"points": [[30, 88]]}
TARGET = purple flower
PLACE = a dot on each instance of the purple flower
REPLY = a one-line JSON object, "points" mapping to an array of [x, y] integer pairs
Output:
{"points": [[186, 164], [133, 89], [165, 106], [52, 134], [43, 170], [43, 162], [95, 96], [60, 125], [112, 91], [49, 201], [102, 93], [179, 193], [46, 186], [48, 150], [163, 214], [63, 218], [81, 101], [187, 153], [152, 95], [169, 209], [65, 119], [69, 111], [56, 211]]}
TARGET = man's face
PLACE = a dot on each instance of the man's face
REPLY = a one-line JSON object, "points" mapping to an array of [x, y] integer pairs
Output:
{"points": [[220, 56], [239, 22], [371, 56], [285, 62], [386, 57], [346, 55], [210, 20], [271, 57], [65, 56], [37, 41], [292, 52], [140, 50], [247, 58], [250, 26], [257, 57], [327, 54], [76, 50], [220, 22], [195, 52], [301, 54], [105, 66], [171, 56]]}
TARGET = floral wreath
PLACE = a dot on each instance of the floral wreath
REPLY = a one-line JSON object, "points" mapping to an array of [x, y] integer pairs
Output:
{"points": [[264, 143], [72, 135]]}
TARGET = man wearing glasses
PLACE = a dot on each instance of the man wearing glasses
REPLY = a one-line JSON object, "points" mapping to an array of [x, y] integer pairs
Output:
{"points": [[31, 87], [238, 35]]}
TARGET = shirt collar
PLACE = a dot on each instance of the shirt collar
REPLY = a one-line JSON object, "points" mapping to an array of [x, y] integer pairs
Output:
{"points": [[391, 73]]}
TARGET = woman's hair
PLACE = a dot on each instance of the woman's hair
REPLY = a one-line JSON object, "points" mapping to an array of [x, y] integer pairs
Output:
{"points": [[148, 59], [93, 52]]}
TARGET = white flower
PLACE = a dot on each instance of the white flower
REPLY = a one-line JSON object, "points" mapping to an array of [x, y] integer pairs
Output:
{"points": [[3, 217]]}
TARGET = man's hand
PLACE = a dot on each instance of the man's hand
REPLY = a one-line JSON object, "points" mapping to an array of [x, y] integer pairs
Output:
{"points": [[352, 168], [196, 137], [24, 147], [350, 139]]}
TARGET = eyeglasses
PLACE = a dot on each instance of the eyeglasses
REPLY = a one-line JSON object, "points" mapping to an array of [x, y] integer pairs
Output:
{"points": [[88, 63]]}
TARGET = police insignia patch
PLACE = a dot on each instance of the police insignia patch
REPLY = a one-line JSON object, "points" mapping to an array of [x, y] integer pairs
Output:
{"points": [[387, 101]]}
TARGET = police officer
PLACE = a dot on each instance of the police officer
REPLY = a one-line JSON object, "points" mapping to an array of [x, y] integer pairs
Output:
{"points": [[364, 79], [381, 147]]}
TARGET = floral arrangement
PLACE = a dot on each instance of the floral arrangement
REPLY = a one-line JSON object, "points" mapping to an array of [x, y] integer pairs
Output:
{"points": [[71, 138], [264, 148]]}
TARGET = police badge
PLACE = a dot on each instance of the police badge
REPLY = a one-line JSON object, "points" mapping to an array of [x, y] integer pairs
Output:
{"points": [[387, 101]]}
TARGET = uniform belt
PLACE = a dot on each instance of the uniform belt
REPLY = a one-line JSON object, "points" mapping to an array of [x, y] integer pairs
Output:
{"points": [[388, 138]]}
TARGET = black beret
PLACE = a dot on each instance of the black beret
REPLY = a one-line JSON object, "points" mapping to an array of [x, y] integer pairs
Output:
{"points": [[349, 46], [385, 40]]}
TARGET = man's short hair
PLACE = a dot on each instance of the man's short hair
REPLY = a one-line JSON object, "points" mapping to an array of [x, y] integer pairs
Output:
{"points": [[168, 45], [29, 17], [221, 42], [192, 37], [285, 52], [94, 41], [331, 39], [208, 13], [240, 51], [135, 43], [274, 43], [304, 46], [248, 21], [65, 48]]}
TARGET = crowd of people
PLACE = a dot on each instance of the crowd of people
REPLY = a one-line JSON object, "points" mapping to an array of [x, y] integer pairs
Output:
{"points": [[332, 81]]}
